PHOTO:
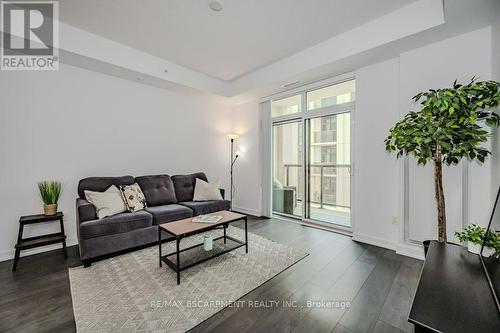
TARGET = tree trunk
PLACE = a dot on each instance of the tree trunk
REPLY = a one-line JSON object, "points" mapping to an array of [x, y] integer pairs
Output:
{"points": [[438, 182]]}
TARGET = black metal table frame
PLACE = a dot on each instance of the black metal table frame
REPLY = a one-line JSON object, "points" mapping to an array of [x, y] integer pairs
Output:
{"points": [[177, 266]]}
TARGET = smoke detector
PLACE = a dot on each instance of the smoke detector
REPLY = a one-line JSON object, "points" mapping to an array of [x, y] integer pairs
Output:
{"points": [[216, 6]]}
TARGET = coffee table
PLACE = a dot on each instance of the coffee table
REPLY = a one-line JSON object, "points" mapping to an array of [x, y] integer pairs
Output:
{"points": [[186, 227]]}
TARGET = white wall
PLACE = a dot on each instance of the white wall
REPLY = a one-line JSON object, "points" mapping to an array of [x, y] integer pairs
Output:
{"points": [[383, 95], [247, 170], [495, 144], [434, 66], [72, 123], [376, 200]]}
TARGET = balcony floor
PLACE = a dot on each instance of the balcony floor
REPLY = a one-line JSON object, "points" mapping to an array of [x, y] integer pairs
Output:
{"points": [[329, 214]]}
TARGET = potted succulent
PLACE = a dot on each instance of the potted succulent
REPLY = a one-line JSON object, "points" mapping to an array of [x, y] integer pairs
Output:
{"points": [[50, 192], [474, 236]]}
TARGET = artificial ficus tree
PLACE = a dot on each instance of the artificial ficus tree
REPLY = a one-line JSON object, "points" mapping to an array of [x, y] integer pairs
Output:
{"points": [[449, 127]]}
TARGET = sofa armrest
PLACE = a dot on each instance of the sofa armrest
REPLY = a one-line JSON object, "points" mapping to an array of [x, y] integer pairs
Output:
{"points": [[222, 192], [85, 211]]}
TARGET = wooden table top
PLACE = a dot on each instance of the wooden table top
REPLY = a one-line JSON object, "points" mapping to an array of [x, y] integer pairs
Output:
{"points": [[188, 227], [453, 294], [40, 218]]}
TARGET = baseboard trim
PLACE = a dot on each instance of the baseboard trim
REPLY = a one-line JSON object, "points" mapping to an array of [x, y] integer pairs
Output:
{"points": [[411, 250], [313, 225], [247, 211], [9, 254], [405, 249], [387, 244]]}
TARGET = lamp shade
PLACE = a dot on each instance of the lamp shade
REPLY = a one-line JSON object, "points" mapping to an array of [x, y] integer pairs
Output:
{"points": [[232, 136]]}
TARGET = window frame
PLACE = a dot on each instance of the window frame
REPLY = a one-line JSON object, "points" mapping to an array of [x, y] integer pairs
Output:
{"points": [[304, 116], [302, 92], [326, 85], [301, 105]]}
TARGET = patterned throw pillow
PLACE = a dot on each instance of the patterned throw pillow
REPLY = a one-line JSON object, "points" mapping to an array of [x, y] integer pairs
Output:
{"points": [[133, 197]]}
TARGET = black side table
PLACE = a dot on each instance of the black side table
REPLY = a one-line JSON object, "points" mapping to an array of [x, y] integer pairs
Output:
{"points": [[31, 242]]}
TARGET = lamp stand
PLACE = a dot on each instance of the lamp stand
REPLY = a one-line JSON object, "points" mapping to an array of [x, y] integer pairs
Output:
{"points": [[233, 159], [231, 186]]}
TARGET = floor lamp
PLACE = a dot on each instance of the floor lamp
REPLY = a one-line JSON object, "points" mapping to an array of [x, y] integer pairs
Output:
{"points": [[232, 137]]}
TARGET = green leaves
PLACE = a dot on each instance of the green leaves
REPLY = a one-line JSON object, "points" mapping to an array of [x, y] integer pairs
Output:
{"points": [[50, 191], [476, 234], [472, 233], [452, 119]]}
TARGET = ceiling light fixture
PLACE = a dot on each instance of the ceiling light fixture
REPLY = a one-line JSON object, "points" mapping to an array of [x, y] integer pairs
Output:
{"points": [[216, 6]]}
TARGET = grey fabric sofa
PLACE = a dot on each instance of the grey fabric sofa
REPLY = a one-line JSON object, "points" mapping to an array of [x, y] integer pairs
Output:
{"points": [[168, 199]]}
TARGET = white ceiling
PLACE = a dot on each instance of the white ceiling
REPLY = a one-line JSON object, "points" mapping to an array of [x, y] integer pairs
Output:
{"points": [[246, 35]]}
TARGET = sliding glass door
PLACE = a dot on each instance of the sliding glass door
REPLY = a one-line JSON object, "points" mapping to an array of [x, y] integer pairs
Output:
{"points": [[287, 168], [329, 169], [311, 154]]}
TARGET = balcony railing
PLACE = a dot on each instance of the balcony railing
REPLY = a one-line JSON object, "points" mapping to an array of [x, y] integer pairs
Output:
{"points": [[288, 170]]}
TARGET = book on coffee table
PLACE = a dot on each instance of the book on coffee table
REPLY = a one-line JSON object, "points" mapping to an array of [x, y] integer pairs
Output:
{"points": [[207, 219]]}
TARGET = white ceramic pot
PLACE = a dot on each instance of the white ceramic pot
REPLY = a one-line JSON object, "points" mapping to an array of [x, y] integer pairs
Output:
{"points": [[476, 248], [487, 252], [473, 247]]}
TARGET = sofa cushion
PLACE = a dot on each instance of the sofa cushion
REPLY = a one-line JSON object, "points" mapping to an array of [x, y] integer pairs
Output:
{"points": [[169, 213], [158, 189], [184, 185], [205, 207], [101, 184], [116, 224]]}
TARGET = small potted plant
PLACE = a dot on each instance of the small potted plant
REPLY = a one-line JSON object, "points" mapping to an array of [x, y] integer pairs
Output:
{"points": [[474, 235], [50, 192]]}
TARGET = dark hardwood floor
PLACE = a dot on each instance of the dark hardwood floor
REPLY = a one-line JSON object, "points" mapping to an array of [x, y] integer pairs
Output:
{"points": [[377, 284]]}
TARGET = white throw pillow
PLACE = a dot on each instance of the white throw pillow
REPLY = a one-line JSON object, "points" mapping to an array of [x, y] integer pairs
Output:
{"points": [[204, 191], [107, 203]]}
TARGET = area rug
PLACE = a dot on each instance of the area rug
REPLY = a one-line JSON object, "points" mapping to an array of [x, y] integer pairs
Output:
{"points": [[131, 293]]}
